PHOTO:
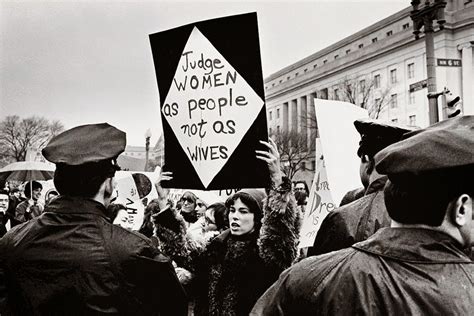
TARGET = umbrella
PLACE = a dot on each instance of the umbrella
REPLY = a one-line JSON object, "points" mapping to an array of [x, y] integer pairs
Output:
{"points": [[27, 171]]}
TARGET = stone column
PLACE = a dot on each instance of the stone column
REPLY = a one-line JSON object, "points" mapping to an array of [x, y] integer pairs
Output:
{"points": [[290, 116], [467, 78], [300, 104]]}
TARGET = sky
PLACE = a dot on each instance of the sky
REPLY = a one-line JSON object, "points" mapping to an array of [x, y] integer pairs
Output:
{"points": [[83, 62]]}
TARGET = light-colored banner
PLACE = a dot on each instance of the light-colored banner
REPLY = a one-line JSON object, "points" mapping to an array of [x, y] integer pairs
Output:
{"points": [[340, 142], [319, 203]]}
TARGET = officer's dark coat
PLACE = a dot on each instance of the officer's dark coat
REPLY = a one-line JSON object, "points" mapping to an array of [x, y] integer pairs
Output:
{"points": [[398, 271], [353, 222], [72, 261]]}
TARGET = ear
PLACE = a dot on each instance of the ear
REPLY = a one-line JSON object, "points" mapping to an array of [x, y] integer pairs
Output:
{"points": [[370, 165], [462, 210]]}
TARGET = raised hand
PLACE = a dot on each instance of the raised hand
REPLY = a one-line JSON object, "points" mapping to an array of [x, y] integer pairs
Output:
{"points": [[272, 158]]}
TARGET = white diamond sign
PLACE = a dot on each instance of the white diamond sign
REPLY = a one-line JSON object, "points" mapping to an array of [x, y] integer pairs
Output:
{"points": [[209, 106]]}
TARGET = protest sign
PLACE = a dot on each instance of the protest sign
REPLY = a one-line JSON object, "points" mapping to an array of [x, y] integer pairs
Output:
{"points": [[320, 202], [134, 191], [212, 103], [340, 142]]}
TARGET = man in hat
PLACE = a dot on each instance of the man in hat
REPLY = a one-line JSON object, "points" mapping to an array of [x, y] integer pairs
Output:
{"points": [[361, 218], [415, 267], [71, 259]]}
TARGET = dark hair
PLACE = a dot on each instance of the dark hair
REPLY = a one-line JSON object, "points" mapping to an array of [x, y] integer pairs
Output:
{"points": [[113, 209], [31, 186], [306, 189], [220, 215], [424, 199], [2, 191], [191, 196], [250, 202], [83, 180], [300, 198]]}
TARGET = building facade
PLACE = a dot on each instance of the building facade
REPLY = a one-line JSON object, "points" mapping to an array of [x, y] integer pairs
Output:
{"points": [[385, 56]]}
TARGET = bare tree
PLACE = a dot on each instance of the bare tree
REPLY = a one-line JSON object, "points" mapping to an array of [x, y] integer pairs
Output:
{"points": [[18, 135], [365, 93], [293, 151]]}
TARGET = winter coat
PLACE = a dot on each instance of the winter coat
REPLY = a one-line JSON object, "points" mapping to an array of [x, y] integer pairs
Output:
{"points": [[235, 270], [72, 261], [353, 222], [398, 271]]}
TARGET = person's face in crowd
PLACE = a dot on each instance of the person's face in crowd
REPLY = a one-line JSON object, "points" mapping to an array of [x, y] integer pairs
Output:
{"points": [[188, 205], [16, 194], [36, 194], [51, 195], [122, 219], [300, 187], [241, 220], [200, 207], [3, 202], [209, 223]]}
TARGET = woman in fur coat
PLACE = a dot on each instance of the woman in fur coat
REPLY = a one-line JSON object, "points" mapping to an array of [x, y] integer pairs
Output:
{"points": [[236, 267]]}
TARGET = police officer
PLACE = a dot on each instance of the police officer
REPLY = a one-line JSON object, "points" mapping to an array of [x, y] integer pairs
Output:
{"points": [[415, 267], [71, 260], [361, 218]]}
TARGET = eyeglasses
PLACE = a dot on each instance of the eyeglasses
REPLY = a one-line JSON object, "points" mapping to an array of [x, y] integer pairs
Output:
{"points": [[299, 189], [187, 199]]}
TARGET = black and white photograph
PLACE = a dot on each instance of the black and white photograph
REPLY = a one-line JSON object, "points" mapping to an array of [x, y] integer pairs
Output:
{"points": [[232, 158]]}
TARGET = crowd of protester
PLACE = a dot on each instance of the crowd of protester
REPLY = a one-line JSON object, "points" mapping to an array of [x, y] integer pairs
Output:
{"points": [[400, 244]]}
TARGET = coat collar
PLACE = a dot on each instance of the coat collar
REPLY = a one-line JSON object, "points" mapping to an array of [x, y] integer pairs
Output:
{"points": [[414, 245], [76, 205], [376, 185]]}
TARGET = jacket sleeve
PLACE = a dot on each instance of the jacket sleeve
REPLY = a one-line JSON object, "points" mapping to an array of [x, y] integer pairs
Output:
{"points": [[279, 234]]}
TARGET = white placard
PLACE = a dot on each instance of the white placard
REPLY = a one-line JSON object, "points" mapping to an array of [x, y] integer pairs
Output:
{"points": [[320, 202], [340, 141], [209, 106]]}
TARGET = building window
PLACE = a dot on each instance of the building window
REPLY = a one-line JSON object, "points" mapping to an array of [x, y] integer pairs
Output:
{"points": [[273, 84], [374, 40], [288, 78], [377, 81], [393, 76], [348, 51], [270, 115], [411, 70], [325, 61], [362, 84], [361, 45], [270, 129], [313, 165], [281, 80], [389, 33], [278, 129], [406, 26], [296, 74], [336, 94], [303, 166], [278, 113], [306, 69], [411, 97], [393, 101], [315, 65], [394, 120], [412, 120], [336, 56]]}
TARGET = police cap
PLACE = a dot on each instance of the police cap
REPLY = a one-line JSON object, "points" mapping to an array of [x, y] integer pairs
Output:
{"points": [[86, 144], [446, 145], [376, 135]]}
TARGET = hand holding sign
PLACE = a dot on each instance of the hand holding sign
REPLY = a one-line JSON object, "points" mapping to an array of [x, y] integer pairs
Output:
{"points": [[272, 158]]}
